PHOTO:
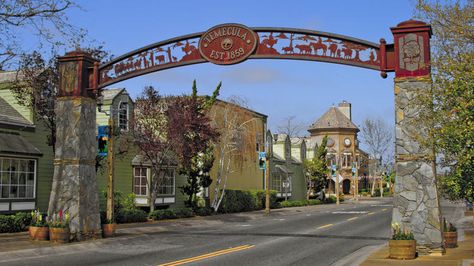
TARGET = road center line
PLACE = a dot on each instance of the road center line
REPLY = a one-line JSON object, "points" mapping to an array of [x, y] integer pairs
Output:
{"points": [[324, 226], [370, 213], [353, 218], [384, 209], [208, 255]]}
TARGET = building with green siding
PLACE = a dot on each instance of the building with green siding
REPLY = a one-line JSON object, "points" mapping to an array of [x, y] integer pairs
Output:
{"points": [[132, 172], [286, 166], [26, 159]]}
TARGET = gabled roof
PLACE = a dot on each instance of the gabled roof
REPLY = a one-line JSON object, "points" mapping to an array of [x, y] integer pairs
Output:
{"points": [[333, 119], [8, 115], [16, 144], [244, 108], [110, 94]]}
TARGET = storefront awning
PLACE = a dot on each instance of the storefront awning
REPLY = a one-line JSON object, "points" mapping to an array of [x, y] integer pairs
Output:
{"points": [[11, 143], [283, 169]]}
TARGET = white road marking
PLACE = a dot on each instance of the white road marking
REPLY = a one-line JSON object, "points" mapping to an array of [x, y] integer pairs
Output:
{"points": [[245, 225], [281, 219]]}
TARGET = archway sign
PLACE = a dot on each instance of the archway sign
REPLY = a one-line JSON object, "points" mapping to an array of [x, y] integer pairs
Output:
{"points": [[416, 203]]}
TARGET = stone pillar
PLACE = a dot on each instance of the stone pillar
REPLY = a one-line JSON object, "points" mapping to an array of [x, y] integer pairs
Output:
{"points": [[74, 187], [416, 203]]}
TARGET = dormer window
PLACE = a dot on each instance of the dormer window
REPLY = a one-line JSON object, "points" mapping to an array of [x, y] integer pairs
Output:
{"points": [[123, 116]]}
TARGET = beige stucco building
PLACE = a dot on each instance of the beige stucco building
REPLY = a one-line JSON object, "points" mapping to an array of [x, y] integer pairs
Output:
{"points": [[342, 146]]}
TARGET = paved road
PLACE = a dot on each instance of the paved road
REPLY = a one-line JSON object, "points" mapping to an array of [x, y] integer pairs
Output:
{"points": [[316, 235]]}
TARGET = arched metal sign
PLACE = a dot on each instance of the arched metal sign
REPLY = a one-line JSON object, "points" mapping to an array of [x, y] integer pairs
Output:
{"points": [[233, 43]]}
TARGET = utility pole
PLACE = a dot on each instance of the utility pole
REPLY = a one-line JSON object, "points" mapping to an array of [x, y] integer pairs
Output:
{"points": [[267, 184], [357, 181], [337, 185], [110, 170]]}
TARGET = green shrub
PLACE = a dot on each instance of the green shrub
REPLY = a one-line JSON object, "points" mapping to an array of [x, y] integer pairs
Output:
{"points": [[260, 198], [14, 223], [171, 213], [205, 211], [131, 216], [238, 201], [299, 203], [333, 199], [314, 202], [246, 200]]}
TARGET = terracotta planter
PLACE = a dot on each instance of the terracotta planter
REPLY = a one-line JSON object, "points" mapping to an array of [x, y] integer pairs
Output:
{"points": [[450, 239], [108, 230], [59, 235], [402, 249], [39, 233]]}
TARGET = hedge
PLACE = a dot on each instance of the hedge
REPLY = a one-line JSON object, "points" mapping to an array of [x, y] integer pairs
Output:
{"points": [[131, 216], [172, 213], [246, 200], [14, 223], [298, 203]]}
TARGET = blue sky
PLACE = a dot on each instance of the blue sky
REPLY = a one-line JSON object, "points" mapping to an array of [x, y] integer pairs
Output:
{"points": [[278, 88]]}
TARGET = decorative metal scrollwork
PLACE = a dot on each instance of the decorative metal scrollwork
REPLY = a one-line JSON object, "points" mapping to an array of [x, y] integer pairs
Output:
{"points": [[274, 43]]}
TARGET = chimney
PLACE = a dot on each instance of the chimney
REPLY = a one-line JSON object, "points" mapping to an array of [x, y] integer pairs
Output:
{"points": [[345, 108]]}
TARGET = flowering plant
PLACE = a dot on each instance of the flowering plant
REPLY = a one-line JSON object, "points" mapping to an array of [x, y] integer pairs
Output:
{"points": [[59, 219], [37, 219], [399, 234], [448, 227]]}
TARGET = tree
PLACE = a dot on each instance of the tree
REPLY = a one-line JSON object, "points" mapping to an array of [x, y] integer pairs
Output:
{"points": [[170, 132], [290, 127], [44, 19], [447, 112], [149, 133], [190, 129], [378, 138], [316, 169], [235, 144]]}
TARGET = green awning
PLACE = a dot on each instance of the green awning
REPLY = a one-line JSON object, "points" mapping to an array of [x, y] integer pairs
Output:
{"points": [[11, 143]]}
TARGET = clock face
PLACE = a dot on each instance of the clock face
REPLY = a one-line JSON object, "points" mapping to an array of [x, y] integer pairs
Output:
{"points": [[347, 142]]}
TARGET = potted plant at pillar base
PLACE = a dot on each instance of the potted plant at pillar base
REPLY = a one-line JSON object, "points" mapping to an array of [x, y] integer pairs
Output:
{"points": [[59, 227], [38, 230], [108, 228], [403, 244], [450, 235]]}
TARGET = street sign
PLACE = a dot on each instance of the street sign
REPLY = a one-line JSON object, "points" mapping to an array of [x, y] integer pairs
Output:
{"points": [[261, 160], [333, 170], [102, 140]]}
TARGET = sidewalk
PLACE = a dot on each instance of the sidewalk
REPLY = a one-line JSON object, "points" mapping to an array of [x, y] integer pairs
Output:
{"points": [[462, 255]]}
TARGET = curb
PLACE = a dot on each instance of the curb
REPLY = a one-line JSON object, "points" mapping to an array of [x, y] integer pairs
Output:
{"points": [[358, 256]]}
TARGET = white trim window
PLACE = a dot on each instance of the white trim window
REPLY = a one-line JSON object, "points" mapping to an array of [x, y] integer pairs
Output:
{"points": [[17, 178], [346, 160], [123, 116], [167, 186], [140, 181]]}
